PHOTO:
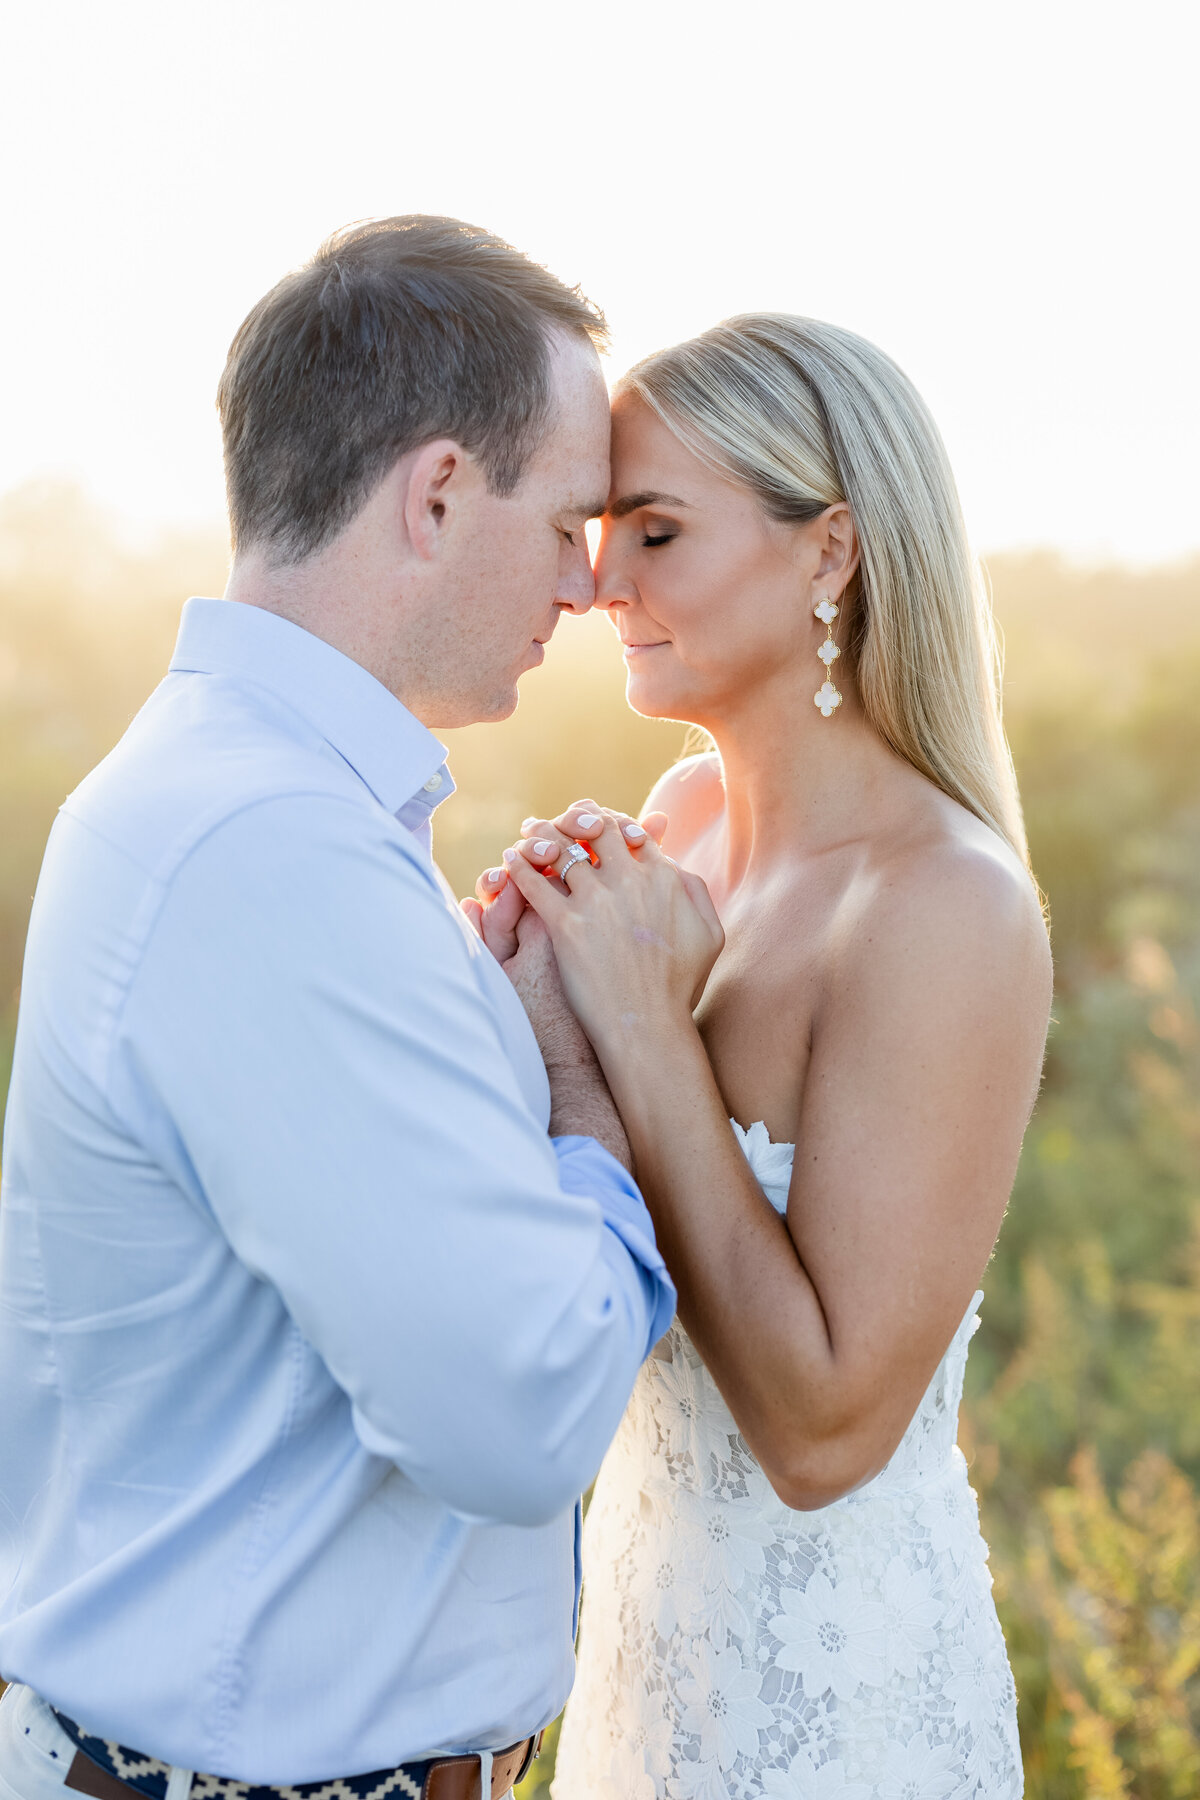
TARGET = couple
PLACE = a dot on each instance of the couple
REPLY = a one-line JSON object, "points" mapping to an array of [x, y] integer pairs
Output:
{"points": [[324, 1278]]}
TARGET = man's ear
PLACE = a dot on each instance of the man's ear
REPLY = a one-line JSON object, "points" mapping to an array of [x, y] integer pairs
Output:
{"points": [[432, 490]]}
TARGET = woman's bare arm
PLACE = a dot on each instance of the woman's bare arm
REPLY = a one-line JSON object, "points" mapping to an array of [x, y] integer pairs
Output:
{"points": [[823, 1331]]}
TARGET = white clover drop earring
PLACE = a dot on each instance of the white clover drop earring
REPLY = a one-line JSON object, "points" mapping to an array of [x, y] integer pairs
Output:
{"points": [[827, 699]]}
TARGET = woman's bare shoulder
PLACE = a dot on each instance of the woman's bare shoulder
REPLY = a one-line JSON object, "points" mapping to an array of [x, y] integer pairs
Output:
{"points": [[954, 895], [691, 792]]}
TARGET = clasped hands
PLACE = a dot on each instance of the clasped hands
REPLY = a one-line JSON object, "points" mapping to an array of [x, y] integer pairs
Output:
{"points": [[633, 936]]}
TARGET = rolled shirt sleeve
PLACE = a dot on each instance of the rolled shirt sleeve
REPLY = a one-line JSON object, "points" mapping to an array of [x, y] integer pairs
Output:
{"points": [[585, 1167], [309, 1017]]}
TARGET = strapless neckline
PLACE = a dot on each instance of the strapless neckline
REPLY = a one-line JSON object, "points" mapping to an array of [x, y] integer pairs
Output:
{"points": [[760, 1125], [771, 1162]]}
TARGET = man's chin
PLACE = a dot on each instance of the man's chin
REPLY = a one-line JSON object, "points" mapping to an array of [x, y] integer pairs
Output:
{"points": [[479, 709], [503, 707], [491, 709]]}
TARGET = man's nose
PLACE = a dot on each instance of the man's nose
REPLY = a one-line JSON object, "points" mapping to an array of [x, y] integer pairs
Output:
{"points": [[612, 588], [576, 590]]}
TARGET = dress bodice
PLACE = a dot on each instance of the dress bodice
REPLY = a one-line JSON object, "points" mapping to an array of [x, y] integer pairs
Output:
{"points": [[734, 1648]]}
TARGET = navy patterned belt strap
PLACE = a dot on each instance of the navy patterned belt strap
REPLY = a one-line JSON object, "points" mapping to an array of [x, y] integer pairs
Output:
{"points": [[150, 1777]]}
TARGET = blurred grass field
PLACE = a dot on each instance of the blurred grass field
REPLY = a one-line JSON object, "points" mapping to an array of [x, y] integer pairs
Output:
{"points": [[1082, 1417]]}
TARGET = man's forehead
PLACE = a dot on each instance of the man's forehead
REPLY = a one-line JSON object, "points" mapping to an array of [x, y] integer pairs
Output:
{"points": [[575, 451], [574, 493], [581, 474], [579, 392], [572, 473], [572, 478]]}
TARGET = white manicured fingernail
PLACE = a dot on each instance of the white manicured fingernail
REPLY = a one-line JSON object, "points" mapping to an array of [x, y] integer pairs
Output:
{"points": [[527, 826], [493, 877], [545, 848], [588, 821], [634, 833], [510, 857]]}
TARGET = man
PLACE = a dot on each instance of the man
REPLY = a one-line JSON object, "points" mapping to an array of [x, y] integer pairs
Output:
{"points": [[310, 1336]]}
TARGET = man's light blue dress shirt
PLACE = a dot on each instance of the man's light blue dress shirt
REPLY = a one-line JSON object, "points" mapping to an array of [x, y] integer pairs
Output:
{"points": [[309, 1335]]}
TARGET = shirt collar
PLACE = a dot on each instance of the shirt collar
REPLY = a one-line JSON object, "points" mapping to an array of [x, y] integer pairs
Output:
{"points": [[390, 750]]}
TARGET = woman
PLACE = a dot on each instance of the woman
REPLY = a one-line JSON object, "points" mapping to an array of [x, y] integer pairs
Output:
{"points": [[787, 1593]]}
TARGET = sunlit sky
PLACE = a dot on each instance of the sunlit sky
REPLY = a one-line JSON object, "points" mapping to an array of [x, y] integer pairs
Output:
{"points": [[1002, 195]]}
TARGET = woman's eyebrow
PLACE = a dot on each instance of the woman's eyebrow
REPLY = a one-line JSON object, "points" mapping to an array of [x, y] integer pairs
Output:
{"points": [[631, 502]]}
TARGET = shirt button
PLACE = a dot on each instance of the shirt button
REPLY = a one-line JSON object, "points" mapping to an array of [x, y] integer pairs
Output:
{"points": [[433, 784]]}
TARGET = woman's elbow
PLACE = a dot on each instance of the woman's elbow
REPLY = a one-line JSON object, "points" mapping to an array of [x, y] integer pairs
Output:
{"points": [[806, 1491], [810, 1474]]}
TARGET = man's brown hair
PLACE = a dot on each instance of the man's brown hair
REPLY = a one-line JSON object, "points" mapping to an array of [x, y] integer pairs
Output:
{"points": [[397, 332]]}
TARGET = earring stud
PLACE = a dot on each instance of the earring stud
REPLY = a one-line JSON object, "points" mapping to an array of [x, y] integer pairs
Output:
{"points": [[827, 699]]}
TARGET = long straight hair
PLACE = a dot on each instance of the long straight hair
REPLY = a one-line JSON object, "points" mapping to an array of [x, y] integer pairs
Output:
{"points": [[807, 415]]}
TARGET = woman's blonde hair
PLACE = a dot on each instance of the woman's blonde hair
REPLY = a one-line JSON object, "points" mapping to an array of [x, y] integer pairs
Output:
{"points": [[807, 415]]}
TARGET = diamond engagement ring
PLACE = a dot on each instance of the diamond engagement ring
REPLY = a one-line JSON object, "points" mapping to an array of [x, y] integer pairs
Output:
{"points": [[576, 854]]}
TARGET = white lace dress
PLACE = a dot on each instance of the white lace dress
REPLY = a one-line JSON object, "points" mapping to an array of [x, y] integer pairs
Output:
{"points": [[732, 1648]]}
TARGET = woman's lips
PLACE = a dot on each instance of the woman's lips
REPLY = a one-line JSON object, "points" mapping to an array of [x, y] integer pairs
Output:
{"points": [[640, 649]]}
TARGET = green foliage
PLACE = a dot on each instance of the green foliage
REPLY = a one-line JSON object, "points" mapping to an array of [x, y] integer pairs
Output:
{"points": [[1082, 1418], [1119, 1588], [1082, 1379]]}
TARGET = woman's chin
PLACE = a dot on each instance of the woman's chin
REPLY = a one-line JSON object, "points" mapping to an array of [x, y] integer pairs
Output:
{"points": [[652, 699]]}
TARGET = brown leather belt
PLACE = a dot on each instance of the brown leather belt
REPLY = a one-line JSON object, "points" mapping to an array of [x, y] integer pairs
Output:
{"points": [[457, 1777], [445, 1777]]}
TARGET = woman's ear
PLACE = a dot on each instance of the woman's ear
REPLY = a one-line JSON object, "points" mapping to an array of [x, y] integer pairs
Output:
{"points": [[839, 551]]}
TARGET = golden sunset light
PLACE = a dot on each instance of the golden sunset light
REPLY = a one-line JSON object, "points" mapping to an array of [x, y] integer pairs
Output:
{"points": [[1001, 197], [626, 1229]]}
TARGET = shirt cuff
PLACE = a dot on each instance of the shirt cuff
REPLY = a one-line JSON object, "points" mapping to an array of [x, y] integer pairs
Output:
{"points": [[586, 1167]]}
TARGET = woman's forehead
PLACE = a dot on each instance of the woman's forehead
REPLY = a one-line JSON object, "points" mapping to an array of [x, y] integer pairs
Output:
{"points": [[652, 465], [641, 441]]}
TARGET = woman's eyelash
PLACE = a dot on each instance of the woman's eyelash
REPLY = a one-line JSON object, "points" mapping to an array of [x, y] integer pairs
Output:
{"points": [[650, 542]]}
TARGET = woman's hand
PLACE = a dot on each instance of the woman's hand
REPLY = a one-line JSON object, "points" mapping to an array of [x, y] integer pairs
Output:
{"points": [[496, 909], [495, 912], [635, 937], [544, 840]]}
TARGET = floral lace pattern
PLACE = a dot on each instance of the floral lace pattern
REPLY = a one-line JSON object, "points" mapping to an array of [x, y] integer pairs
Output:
{"points": [[733, 1649]]}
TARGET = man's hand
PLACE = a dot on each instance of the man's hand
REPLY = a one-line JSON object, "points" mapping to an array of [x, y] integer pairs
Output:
{"points": [[533, 971], [580, 1103]]}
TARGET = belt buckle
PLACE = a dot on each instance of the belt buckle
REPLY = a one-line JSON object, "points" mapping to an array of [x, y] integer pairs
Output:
{"points": [[531, 1756]]}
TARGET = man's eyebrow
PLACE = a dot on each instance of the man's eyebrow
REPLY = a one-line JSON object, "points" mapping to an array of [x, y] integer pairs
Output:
{"points": [[631, 502]]}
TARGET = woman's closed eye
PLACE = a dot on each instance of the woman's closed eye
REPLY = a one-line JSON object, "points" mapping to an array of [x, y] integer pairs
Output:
{"points": [[657, 530]]}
